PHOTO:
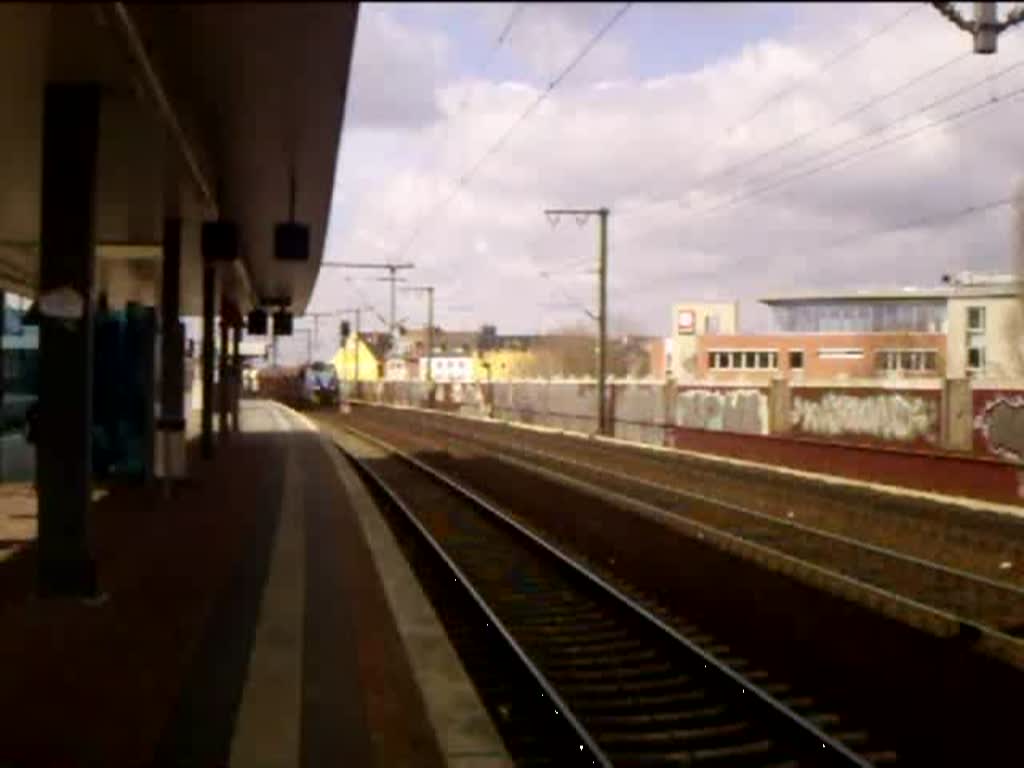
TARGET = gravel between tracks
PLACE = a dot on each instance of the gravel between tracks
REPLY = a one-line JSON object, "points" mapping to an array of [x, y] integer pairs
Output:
{"points": [[935, 698]]}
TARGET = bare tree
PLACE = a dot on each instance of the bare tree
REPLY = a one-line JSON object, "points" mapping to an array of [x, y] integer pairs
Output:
{"points": [[621, 324], [568, 351], [1015, 329], [1018, 229]]}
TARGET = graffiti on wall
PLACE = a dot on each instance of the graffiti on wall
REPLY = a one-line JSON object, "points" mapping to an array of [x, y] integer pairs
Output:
{"points": [[742, 410], [1001, 423], [896, 417]]}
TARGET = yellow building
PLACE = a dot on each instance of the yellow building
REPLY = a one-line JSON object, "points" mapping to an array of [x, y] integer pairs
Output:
{"points": [[345, 361], [506, 364]]}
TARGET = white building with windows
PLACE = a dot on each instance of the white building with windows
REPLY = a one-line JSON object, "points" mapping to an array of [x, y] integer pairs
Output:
{"points": [[448, 367]]}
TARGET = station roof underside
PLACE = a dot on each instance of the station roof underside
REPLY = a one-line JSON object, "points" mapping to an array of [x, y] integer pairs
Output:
{"points": [[206, 109]]}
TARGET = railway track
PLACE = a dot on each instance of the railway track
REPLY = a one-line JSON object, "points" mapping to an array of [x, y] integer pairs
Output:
{"points": [[954, 535], [625, 688], [979, 602]]}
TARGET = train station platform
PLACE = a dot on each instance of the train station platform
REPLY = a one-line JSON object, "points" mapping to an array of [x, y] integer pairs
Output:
{"points": [[261, 614]]}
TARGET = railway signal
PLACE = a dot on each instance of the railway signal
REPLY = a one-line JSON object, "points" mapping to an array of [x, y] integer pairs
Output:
{"points": [[345, 330]]}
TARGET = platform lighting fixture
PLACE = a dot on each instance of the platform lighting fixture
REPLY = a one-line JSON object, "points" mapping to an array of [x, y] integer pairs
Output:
{"points": [[282, 323], [257, 323], [291, 238]]}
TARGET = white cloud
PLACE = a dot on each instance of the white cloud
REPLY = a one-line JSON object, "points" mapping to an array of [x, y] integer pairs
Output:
{"points": [[610, 138], [395, 73]]}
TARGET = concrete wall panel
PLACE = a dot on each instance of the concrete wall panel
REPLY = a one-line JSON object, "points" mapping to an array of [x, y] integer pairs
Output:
{"points": [[910, 418], [999, 424], [738, 410]]}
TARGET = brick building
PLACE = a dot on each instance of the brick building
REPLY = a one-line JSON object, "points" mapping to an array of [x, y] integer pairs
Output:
{"points": [[970, 327], [820, 356]]}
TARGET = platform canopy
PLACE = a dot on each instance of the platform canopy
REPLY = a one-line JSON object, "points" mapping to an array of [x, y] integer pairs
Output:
{"points": [[206, 110]]}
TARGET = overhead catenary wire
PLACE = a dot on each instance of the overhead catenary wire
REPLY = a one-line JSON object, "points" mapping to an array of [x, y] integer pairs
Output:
{"points": [[961, 114], [496, 147], [916, 112], [799, 170], [489, 59], [366, 301], [573, 301], [796, 86], [840, 56], [861, 108], [499, 144], [991, 77], [944, 217], [787, 172]]}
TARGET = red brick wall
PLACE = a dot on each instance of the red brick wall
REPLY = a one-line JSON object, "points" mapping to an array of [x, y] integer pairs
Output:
{"points": [[948, 474], [811, 343]]}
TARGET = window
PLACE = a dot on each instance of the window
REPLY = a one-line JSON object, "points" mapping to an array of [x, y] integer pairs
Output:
{"points": [[796, 359], [863, 315], [840, 354], [906, 360], [976, 358], [685, 321], [976, 319], [752, 360], [711, 324]]}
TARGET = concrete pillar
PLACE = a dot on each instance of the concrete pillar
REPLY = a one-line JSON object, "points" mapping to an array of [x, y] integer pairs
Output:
{"points": [[66, 271], [223, 376], [3, 330], [209, 291], [170, 427], [236, 375], [148, 333], [780, 407], [611, 408], [957, 422], [671, 391]]}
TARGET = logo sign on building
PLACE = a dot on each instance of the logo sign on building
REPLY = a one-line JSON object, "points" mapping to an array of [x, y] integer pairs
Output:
{"points": [[686, 321]]}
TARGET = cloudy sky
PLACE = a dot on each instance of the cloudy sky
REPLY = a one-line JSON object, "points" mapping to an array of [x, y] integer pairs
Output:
{"points": [[743, 150]]}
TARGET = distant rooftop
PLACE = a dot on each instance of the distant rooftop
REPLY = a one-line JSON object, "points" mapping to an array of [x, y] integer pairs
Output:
{"points": [[966, 283]]}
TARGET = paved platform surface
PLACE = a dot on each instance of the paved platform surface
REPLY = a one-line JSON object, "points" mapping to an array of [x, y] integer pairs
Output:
{"points": [[249, 622]]}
